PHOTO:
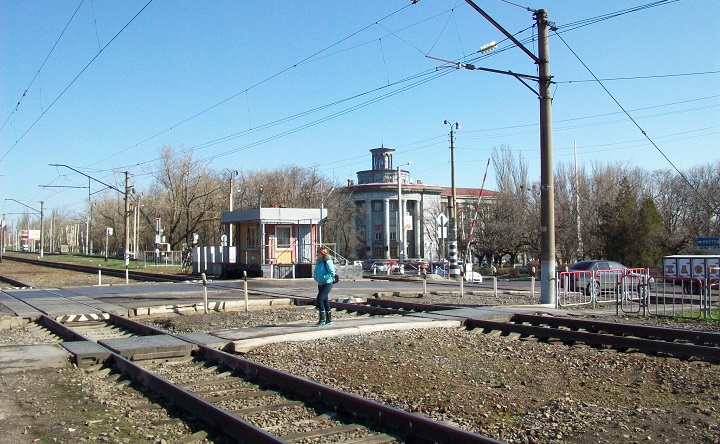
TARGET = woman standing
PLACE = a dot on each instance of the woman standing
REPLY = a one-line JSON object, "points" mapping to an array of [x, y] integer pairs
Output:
{"points": [[323, 274]]}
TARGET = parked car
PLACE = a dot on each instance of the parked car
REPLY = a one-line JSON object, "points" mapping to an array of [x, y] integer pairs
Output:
{"points": [[597, 276], [25, 248], [473, 276], [384, 266]]}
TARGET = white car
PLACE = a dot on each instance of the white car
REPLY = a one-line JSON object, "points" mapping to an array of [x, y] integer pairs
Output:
{"points": [[473, 276]]}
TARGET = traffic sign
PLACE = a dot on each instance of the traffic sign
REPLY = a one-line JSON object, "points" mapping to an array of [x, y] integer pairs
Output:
{"points": [[708, 242], [442, 219]]}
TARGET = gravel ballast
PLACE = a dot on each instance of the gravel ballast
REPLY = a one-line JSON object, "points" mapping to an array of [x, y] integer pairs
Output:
{"points": [[512, 390]]}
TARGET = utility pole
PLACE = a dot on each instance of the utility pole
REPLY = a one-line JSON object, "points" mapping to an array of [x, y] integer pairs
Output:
{"points": [[127, 219], [452, 208], [547, 190], [42, 227]]}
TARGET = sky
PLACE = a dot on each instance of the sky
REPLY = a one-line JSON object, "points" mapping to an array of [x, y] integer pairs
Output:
{"points": [[99, 86]]}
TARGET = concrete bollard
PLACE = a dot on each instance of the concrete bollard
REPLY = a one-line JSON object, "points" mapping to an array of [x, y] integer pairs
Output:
{"points": [[99, 274], [205, 301], [127, 275]]}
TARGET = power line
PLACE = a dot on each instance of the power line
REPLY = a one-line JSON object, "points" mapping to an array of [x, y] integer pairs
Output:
{"points": [[41, 66], [74, 80], [702, 198]]}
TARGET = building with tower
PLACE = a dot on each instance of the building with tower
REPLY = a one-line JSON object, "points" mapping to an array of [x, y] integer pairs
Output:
{"points": [[385, 192]]}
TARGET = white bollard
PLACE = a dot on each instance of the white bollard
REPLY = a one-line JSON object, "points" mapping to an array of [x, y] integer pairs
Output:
{"points": [[127, 275], [99, 274], [494, 272], [532, 284]]}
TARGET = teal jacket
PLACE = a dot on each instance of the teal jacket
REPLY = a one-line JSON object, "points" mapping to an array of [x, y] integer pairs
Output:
{"points": [[324, 271]]}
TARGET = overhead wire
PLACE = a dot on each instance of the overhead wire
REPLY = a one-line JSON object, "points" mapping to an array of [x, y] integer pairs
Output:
{"points": [[682, 175], [74, 80], [42, 65]]}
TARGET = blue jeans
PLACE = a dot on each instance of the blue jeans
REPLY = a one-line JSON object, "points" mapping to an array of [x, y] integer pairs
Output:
{"points": [[323, 301]]}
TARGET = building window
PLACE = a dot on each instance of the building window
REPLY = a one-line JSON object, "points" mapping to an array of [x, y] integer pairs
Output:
{"points": [[377, 206], [378, 236], [393, 236], [282, 236], [251, 237]]}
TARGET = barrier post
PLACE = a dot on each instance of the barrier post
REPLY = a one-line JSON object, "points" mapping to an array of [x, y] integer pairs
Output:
{"points": [[127, 273], [532, 283], [99, 274], [245, 290], [462, 283], [205, 302], [424, 276], [494, 272]]}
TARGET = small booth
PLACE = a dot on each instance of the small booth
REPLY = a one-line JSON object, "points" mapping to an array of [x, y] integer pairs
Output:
{"points": [[264, 242]]}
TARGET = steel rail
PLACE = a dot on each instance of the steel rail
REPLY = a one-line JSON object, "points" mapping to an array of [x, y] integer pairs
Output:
{"points": [[679, 350], [411, 306], [642, 331], [379, 417], [409, 426], [134, 274], [14, 283]]}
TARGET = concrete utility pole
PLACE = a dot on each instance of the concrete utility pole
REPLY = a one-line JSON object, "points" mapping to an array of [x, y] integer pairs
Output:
{"points": [[232, 174], [547, 190], [42, 227], [127, 218], [452, 208]]}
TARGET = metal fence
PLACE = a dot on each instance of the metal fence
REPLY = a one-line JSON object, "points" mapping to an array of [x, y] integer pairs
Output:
{"points": [[602, 287], [147, 259], [635, 291], [677, 297]]}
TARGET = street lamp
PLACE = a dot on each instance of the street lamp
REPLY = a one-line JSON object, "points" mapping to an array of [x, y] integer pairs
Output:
{"points": [[452, 208], [400, 217]]}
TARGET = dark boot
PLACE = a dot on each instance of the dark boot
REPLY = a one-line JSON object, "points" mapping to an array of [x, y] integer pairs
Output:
{"points": [[328, 318], [322, 318]]}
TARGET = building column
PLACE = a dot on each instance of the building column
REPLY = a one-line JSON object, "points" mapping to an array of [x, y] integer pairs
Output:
{"points": [[386, 227], [418, 228], [369, 230]]}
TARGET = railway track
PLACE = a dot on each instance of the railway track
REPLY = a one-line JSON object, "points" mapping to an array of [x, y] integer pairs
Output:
{"points": [[120, 273], [247, 401], [684, 344]]}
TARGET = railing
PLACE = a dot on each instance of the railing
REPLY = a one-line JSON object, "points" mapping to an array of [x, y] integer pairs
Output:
{"points": [[585, 288], [575, 289], [683, 297], [160, 259]]}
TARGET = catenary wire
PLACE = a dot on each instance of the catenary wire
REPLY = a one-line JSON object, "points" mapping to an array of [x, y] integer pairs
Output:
{"points": [[12, 113], [682, 175], [74, 80]]}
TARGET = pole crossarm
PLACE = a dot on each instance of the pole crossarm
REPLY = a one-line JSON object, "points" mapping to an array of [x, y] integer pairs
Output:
{"points": [[37, 211], [472, 67], [89, 177]]}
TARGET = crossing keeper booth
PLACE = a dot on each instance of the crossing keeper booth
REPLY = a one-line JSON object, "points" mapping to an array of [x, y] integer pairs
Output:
{"points": [[264, 242]]}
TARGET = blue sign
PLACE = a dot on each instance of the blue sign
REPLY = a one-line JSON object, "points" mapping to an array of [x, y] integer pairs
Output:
{"points": [[708, 242]]}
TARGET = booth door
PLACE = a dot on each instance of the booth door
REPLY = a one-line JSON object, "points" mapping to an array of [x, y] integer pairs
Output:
{"points": [[305, 248]]}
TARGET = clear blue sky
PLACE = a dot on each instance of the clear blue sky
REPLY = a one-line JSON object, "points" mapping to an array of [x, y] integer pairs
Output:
{"points": [[259, 84]]}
